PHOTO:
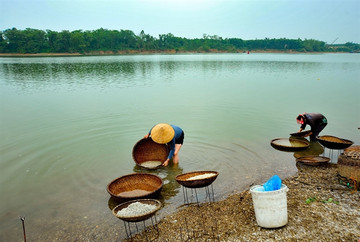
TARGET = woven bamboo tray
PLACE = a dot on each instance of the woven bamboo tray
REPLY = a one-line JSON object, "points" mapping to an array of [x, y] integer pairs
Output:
{"points": [[333, 142], [302, 133], [147, 150], [289, 144], [135, 186], [187, 180], [313, 160], [137, 217]]}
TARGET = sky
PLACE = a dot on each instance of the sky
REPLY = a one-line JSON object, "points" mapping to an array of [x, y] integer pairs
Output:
{"points": [[325, 20]]}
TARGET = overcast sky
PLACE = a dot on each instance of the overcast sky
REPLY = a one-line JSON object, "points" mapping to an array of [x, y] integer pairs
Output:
{"points": [[323, 20]]}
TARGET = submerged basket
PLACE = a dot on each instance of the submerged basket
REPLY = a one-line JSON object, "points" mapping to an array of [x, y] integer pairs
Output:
{"points": [[148, 150], [136, 185]]}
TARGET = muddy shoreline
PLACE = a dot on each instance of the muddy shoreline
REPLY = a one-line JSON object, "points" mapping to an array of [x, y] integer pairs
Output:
{"points": [[320, 208]]}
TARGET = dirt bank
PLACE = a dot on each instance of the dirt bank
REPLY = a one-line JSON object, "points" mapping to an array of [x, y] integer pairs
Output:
{"points": [[319, 209]]}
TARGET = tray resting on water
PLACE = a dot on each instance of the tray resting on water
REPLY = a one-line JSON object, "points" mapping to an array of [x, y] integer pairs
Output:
{"points": [[137, 217], [289, 144], [135, 186], [189, 179], [148, 150], [313, 160], [333, 142], [302, 133]]}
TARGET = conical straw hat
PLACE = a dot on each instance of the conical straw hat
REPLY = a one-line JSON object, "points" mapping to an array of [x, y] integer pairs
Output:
{"points": [[162, 133]]}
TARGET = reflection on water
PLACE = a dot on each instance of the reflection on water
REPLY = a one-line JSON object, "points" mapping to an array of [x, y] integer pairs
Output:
{"points": [[315, 148], [168, 173], [41, 75], [134, 193], [127, 71]]}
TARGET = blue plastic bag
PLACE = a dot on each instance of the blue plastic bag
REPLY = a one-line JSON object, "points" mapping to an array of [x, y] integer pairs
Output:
{"points": [[274, 183]]}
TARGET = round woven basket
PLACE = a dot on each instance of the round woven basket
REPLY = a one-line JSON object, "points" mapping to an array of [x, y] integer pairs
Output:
{"points": [[289, 144], [135, 186], [148, 150], [187, 181], [333, 142], [349, 163], [313, 160], [137, 217]]}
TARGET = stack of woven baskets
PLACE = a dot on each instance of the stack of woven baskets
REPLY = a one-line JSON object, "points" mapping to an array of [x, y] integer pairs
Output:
{"points": [[349, 163]]}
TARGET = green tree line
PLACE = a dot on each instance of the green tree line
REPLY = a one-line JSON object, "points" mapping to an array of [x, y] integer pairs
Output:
{"points": [[79, 41]]}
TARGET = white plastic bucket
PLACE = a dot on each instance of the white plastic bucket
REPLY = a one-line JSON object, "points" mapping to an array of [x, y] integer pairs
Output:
{"points": [[270, 207]]}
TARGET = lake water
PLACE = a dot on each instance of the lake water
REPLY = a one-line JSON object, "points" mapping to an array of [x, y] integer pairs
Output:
{"points": [[68, 126]]}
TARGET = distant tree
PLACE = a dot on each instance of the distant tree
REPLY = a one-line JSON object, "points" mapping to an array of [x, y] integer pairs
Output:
{"points": [[15, 40], [237, 43], [25, 41], [146, 42], [314, 45], [36, 41], [353, 46], [2, 43], [169, 41], [77, 41], [62, 42], [51, 37], [127, 39]]}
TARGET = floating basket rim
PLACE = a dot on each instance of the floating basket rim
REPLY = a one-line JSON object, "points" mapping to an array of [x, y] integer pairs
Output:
{"points": [[290, 148], [298, 140]]}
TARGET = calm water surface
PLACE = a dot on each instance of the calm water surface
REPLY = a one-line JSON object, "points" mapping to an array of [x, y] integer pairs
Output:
{"points": [[68, 126]]}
